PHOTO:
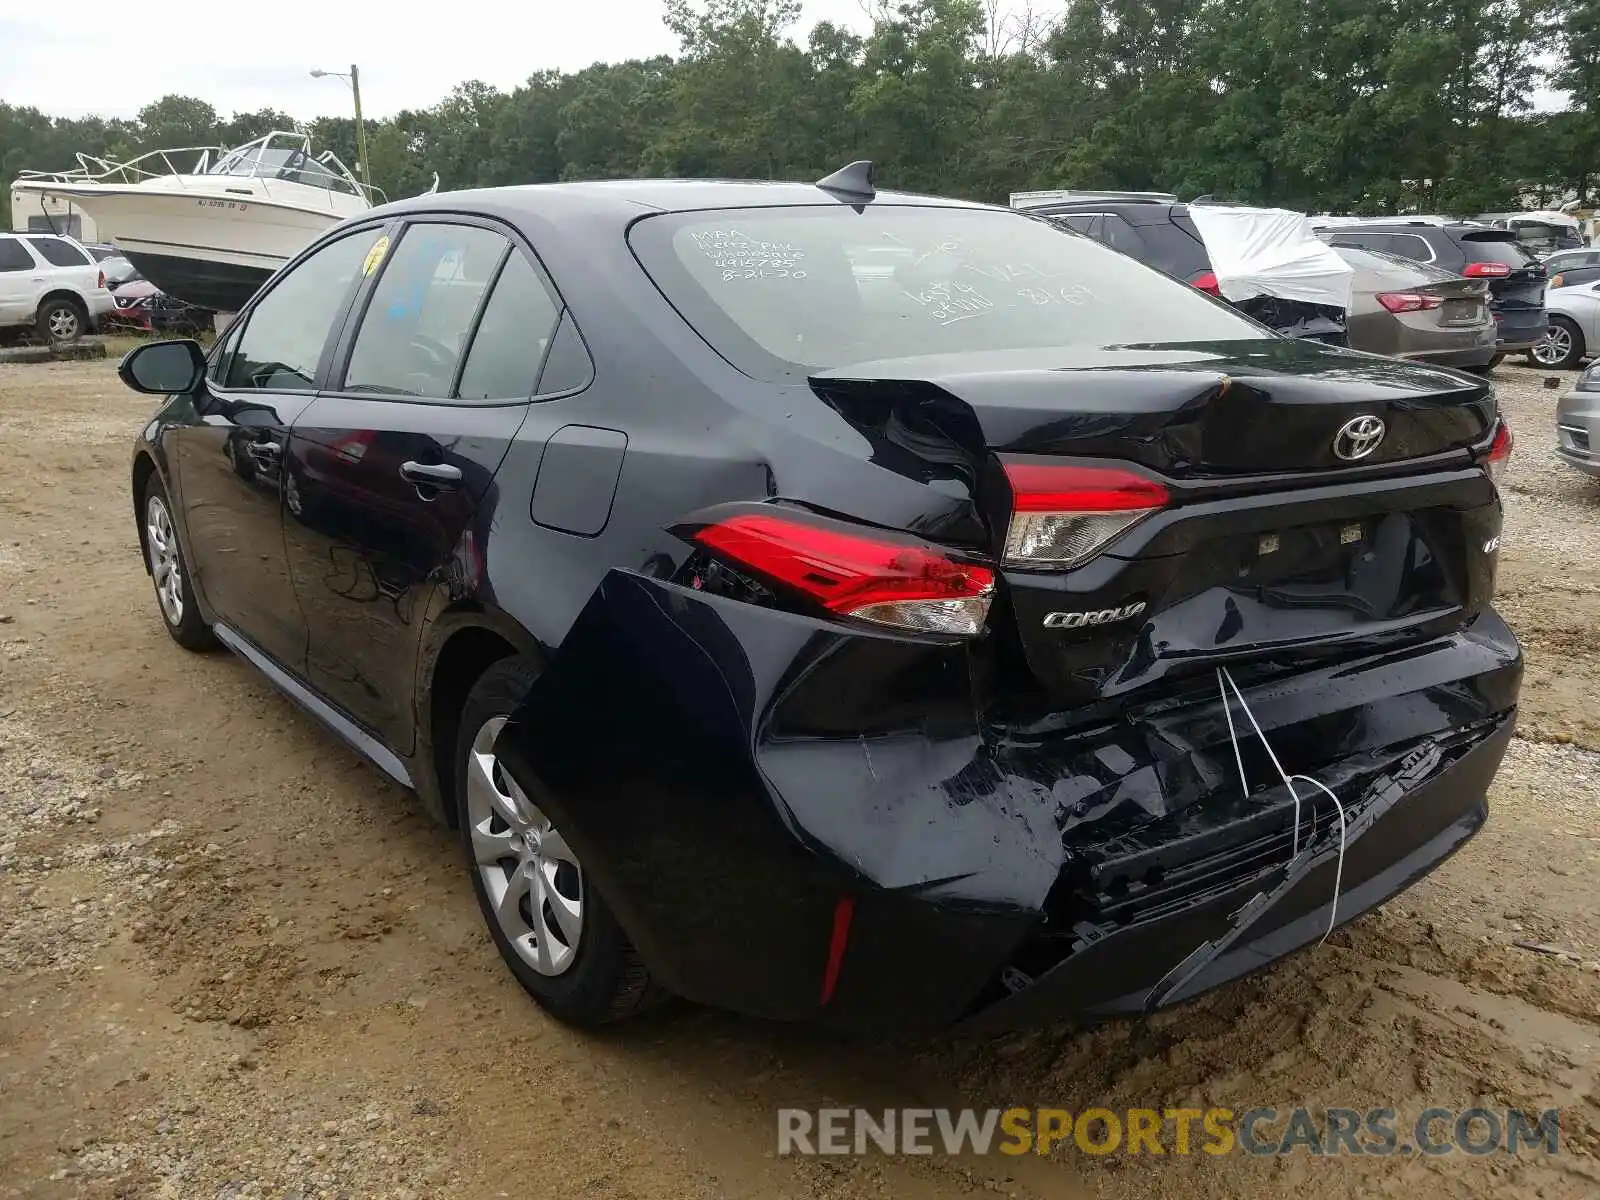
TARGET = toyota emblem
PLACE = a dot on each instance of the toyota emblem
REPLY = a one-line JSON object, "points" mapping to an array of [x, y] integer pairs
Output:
{"points": [[1358, 438]]}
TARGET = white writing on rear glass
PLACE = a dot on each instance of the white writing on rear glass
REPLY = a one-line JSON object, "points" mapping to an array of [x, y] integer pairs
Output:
{"points": [[948, 303], [739, 256]]}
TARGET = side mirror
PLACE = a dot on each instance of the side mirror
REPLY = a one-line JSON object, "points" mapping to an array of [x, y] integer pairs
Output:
{"points": [[163, 368]]}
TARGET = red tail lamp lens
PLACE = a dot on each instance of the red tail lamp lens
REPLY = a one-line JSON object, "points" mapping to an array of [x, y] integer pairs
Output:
{"points": [[1064, 515], [876, 578]]}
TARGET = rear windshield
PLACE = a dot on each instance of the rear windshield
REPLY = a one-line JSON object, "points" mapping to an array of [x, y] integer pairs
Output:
{"points": [[781, 292], [1496, 245], [1392, 265]]}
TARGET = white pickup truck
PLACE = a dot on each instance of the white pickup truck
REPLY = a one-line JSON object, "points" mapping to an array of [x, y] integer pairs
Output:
{"points": [[52, 284]]}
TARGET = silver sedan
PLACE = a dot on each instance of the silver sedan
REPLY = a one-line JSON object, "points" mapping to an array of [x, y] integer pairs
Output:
{"points": [[1578, 423]]}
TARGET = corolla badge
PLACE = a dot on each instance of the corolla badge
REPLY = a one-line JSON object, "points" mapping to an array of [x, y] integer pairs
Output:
{"points": [[1082, 620], [1358, 438]]}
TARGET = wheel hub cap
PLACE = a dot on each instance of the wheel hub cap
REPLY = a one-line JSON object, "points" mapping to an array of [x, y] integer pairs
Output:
{"points": [[161, 547], [533, 880], [1554, 346]]}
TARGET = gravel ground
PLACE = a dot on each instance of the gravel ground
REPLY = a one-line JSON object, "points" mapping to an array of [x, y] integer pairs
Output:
{"points": [[234, 962]]}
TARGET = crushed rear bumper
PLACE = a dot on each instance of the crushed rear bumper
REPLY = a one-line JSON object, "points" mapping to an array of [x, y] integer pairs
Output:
{"points": [[738, 781]]}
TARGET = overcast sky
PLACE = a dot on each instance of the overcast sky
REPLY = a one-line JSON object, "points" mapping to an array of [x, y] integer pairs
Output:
{"points": [[112, 57]]}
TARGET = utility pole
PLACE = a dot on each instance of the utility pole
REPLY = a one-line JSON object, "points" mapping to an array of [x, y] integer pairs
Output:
{"points": [[361, 128], [354, 79]]}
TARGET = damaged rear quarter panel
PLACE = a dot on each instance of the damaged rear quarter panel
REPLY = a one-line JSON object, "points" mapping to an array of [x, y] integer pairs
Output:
{"points": [[727, 772]]}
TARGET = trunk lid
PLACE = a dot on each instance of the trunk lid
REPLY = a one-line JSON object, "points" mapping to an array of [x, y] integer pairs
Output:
{"points": [[1522, 288], [1271, 550], [1244, 408], [1465, 300]]}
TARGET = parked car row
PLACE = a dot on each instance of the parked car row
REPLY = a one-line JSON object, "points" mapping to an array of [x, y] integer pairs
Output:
{"points": [[1456, 295], [60, 289]]}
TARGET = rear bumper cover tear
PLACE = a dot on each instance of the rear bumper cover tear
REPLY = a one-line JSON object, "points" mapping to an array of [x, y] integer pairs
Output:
{"points": [[727, 772]]}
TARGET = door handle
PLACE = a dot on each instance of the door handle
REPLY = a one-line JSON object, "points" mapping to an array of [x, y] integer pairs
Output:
{"points": [[266, 453], [435, 475]]}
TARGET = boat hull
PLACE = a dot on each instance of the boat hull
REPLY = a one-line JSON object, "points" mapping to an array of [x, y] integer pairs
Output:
{"points": [[210, 250], [205, 282]]}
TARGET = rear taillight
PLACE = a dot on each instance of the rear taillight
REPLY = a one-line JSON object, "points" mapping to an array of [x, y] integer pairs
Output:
{"points": [[1486, 270], [102, 282], [1557, 280], [1064, 515], [1400, 302], [873, 576], [1499, 452], [1206, 282]]}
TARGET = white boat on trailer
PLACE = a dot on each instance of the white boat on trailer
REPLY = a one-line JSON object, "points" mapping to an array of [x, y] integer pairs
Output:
{"points": [[205, 224]]}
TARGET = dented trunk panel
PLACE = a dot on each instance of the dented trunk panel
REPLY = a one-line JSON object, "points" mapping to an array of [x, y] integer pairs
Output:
{"points": [[1186, 411], [1270, 542], [732, 771]]}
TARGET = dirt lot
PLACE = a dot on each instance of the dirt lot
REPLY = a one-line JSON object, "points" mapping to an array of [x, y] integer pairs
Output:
{"points": [[235, 962]]}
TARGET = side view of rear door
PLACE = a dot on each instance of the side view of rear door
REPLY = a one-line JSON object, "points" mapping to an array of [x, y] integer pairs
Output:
{"points": [[387, 467]]}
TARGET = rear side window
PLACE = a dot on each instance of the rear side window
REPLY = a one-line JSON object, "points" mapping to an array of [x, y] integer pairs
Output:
{"points": [[1392, 268], [1177, 250], [777, 291], [1408, 245], [14, 256], [512, 338], [1120, 235], [59, 253], [1494, 246], [1087, 223]]}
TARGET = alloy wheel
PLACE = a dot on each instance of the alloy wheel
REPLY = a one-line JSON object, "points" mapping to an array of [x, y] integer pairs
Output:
{"points": [[62, 323], [533, 880], [166, 568], [1553, 348]]}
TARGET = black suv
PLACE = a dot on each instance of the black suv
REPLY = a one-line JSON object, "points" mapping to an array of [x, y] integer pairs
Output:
{"points": [[1153, 231], [1516, 276]]}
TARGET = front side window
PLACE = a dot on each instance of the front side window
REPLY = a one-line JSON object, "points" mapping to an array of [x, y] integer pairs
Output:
{"points": [[58, 253], [422, 311], [14, 255], [285, 333], [774, 291]]}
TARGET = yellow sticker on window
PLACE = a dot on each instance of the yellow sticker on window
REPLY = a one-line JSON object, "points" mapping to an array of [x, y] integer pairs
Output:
{"points": [[375, 255]]}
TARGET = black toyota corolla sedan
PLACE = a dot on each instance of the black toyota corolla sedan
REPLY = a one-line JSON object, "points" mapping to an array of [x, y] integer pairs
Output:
{"points": [[835, 605]]}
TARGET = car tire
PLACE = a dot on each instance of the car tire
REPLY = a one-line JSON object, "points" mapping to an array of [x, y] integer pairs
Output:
{"points": [[573, 959], [61, 320], [169, 571], [1562, 349]]}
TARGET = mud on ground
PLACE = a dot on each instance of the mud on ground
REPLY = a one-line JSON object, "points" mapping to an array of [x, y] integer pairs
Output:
{"points": [[234, 961]]}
